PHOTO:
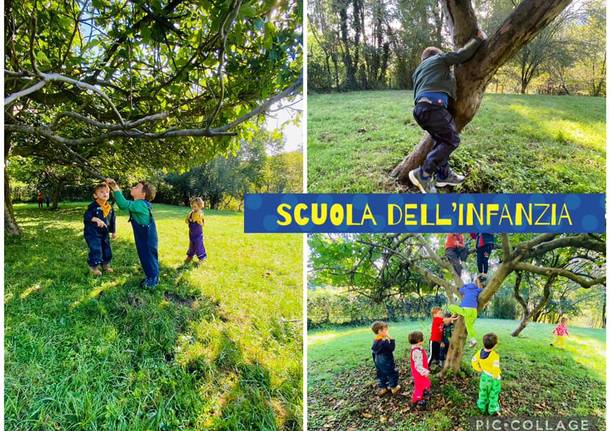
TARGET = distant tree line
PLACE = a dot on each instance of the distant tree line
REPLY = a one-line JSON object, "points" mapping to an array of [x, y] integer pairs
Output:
{"points": [[258, 166], [364, 45]]}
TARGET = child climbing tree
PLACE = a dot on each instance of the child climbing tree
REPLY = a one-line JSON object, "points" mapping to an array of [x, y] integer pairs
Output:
{"points": [[380, 266]]}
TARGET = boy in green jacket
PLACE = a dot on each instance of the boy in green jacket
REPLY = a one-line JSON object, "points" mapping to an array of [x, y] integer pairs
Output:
{"points": [[144, 227], [433, 85]]}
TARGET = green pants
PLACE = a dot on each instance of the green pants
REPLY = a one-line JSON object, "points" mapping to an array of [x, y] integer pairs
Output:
{"points": [[489, 392], [469, 314]]}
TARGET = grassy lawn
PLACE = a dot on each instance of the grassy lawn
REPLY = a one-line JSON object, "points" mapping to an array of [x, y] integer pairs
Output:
{"points": [[537, 379], [516, 143], [214, 348]]}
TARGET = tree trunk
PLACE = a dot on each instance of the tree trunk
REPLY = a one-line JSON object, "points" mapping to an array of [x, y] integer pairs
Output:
{"points": [[458, 338], [523, 24], [350, 70], [56, 195], [453, 362], [11, 228], [523, 303]]}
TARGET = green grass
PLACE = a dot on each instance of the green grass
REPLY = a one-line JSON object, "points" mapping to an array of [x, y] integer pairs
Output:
{"points": [[515, 144], [214, 348], [537, 379]]}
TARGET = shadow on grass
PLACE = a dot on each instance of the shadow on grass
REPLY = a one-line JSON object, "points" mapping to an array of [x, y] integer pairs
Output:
{"points": [[114, 351], [546, 385]]}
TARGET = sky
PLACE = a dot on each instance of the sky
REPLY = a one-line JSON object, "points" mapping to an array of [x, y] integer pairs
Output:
{"points": [[293, 134]]}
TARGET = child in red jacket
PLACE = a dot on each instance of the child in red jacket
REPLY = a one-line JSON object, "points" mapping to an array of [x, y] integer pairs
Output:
{"points": [[436, 337], [419, 371]]}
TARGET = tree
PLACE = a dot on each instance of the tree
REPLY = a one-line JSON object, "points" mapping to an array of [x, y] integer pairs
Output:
{"points": [[87, 82], [526, 21], [416, 255]]}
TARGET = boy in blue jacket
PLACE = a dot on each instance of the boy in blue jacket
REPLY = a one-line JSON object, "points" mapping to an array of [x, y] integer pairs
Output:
{"points": [[433, 86], [100, 224], [383, 356]]}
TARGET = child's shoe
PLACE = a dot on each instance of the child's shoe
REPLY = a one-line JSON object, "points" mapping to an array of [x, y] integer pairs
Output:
{"points": [[188, 260], [424, 183], [95, 271], [149, 283], [451, 179], [421, 405], [107, 269], [427, 394], [472, 342], [382, 391], [395, 389]]}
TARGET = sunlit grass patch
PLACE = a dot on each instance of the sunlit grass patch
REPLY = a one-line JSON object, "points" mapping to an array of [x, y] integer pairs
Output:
{"points": [[209, 350], [516, 143]]}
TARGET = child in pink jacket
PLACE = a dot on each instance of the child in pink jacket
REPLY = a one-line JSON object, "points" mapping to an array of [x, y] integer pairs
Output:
{"points": [[561, 333], [419, 371]]}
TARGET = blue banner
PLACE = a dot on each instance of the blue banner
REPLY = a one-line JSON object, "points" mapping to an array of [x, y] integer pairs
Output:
{"points": [[432, 213]]}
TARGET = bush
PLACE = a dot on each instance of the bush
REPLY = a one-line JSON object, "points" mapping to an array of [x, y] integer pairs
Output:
{"points": [[330, 306]]}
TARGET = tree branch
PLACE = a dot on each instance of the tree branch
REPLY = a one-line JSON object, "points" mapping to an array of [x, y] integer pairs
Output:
{"points": [[123, 131], [461, 19], [584, 282], [521, 26]]}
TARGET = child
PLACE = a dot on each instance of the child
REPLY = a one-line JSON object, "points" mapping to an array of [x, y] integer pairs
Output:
{"points": [[487, 362], [484, 245], [383, 356], [455, 251], [195, 222], [561, 333], [436, 337], [433, 85], [144, 227], [468, 307], [447, 333], [100, 225], [419, 371]]}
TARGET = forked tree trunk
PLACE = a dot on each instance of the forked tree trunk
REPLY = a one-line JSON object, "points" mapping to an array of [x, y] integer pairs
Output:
{"points": [[529, 314], [455, 354], [524, 23]]}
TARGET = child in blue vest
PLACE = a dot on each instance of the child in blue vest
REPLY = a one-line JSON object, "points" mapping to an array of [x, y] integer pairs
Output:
{"points": [[144, 227], [100, 225]]}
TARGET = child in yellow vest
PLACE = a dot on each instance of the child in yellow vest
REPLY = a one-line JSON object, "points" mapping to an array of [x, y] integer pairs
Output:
{"points": [[487, 362]]}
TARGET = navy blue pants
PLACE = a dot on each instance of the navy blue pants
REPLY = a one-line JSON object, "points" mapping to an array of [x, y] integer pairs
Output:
{"points": [[445, 349], [483, 254], [387, 375], [438, 122], [100, 251], [147, 244]]}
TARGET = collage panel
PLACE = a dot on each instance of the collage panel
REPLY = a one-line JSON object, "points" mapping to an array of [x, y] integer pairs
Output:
{"points": [[133, 299], [448, 331], [509, 95]]}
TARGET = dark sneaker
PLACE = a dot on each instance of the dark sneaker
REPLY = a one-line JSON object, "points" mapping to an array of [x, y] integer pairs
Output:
{"points": [[149, 283], [424, 184], [427, 394], [421, 405], [451, 179]]}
